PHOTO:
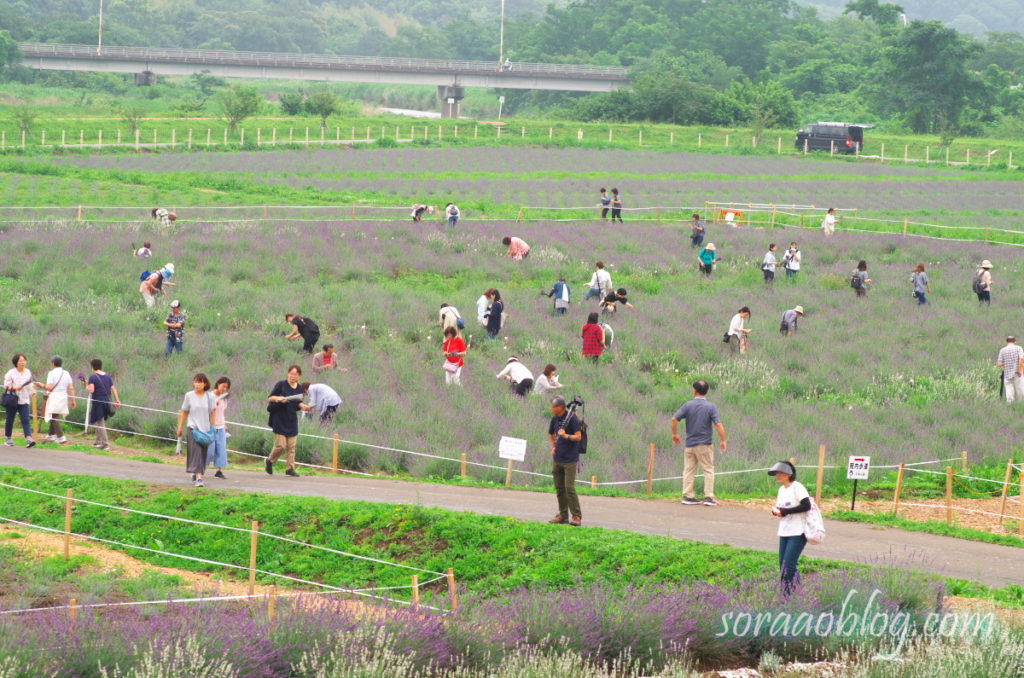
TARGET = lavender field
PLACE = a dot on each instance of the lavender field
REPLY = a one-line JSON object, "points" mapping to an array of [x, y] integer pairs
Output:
{"points": [[876, 376]]}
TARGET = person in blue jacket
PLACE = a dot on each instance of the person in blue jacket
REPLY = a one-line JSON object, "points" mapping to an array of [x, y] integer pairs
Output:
{"points": [[561, 294]]}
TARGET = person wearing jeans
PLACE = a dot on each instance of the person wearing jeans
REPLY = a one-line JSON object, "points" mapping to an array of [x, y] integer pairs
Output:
{"points": [[791, 503], [566, 433], [101, 390], [175, 324], [701, 417], [218, 453], [18, 381], [1011, 359]]}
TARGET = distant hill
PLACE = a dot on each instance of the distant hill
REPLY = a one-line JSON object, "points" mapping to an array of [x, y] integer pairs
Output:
{"points": [[976, 17]]}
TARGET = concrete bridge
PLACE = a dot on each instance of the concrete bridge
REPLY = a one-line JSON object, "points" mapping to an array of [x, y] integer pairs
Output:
{"points": [[450, 77]]}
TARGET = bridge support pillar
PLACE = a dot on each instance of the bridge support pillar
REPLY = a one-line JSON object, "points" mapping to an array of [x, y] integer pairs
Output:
{"points": [[450, 97]]}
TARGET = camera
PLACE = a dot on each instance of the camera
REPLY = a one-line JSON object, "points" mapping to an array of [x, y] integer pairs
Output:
{"points": [[577, 401]]}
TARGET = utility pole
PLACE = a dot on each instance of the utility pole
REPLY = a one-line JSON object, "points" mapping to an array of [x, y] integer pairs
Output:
{"points": [[99, 35], [501, 39]]}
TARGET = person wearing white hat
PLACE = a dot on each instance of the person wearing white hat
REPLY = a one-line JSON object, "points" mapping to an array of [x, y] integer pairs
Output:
{"points": [[983, 282], [175, 329], [520, 376], [789, 320], [707, 258]]}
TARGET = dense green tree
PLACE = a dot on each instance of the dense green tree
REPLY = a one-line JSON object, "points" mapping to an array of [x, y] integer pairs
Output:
{"points": [[882, 13], [238, 103], [323, 103]]}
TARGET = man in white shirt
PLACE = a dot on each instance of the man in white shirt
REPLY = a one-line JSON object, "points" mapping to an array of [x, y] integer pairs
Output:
{"points": [[1011, 359], [600, 283], [519, 375], [737, 333], [791, 261]]}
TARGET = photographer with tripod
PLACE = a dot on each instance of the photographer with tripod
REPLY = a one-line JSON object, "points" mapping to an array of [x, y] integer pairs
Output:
{"points": [[567, 443]]}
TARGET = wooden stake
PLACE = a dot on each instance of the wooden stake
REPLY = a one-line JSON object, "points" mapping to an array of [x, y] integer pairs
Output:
{"points": [[963, 462], [906, 222], [189, 138], [1006, 491], [821, 475], [335, 444], [80, 212], [650, 469], [73, 610], [463, 470], [452, 591], [69, 506], [253, 542], [906, 152], [949, 495], [727, 141], [899, 490], [927, 154], [265, 212], [35, 414], [415, 591], [593, 482], [700, 140], [272, 604], [508, 474], [883, 153], [209, 136], [778, 146]]}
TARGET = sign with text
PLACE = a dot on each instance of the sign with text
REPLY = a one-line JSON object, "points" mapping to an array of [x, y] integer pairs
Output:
{"points": [[857, 468], [512, 448]]}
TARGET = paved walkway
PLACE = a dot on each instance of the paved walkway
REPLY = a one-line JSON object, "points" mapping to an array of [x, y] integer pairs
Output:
{"points": [[989, 564]]}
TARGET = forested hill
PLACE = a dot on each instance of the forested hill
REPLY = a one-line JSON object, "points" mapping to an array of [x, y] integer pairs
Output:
{"points": [[976, 16]]}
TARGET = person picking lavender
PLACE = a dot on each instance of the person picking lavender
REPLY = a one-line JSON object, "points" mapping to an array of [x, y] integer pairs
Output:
{"points": [[305, 328]]}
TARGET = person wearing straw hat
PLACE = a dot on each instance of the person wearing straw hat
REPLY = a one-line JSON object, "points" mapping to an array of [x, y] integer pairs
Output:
{"points": [[519, 375], [983, 282], [791, 504], [702, 418], [707, 258], [789, 320], [1011, 359]]}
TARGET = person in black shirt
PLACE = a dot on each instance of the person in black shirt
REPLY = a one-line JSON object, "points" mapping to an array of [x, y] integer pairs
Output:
{"points": [[613, 298], [305, 328], [566, 434], [284, 403]]}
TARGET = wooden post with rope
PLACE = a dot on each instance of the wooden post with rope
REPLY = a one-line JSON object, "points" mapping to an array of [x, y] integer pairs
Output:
{"points": [[463, 471], [508, 474], [949, 495], [69, 507], [906, 222], [335, 445], [963, 461], [821, 474], [899, 489], [1006, 491], [519, 217], [415, 592], [593, 482], [253, 543], [73, 612], [452, 590], [650, 469], [1020, 521]]}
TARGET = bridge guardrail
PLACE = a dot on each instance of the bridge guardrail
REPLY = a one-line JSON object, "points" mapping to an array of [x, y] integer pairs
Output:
{"points": [[325, 61]]}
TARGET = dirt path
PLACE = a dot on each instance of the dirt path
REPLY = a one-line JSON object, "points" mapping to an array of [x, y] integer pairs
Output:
{"points": [[736, 525]]}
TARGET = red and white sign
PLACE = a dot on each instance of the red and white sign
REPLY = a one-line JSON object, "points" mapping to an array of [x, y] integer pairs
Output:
{"points": [[857, 468]]}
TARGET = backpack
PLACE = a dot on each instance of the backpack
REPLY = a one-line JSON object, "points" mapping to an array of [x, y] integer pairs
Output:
{"points": [[814, 525], [144, 276], [856, 282], [609, 335], [977, 285]]}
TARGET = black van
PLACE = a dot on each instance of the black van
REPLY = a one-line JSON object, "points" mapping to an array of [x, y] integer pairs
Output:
{"points": [[841, 137]]}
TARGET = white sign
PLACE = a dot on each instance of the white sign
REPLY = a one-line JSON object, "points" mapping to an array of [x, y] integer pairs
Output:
{"points": [[857, 468], [512, 448], [501, 99], [451, 101]]}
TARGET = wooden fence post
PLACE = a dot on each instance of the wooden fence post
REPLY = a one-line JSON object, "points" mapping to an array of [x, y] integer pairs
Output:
{"points": [[968, 156], [463, 470], [700, 140], [832, 147], [947, 156], [42, 137], [241, 136], [727, 141], [508, 474], [335, 444], [778, 146], [266, 212], [73, 611], [883, 153], [1006, 491], [963, 461], [609, 134], [650, 469], [138, 140], [821, 474], [641, 140], [259, 136], [415, 592], [81, 211], [906, 222], [253, 543], [190, 138], [69, 506], [593, 482], [906, 152], [225, 136], [671, 138], [209, 137], [35, 414], [927, 154], [899, 490], [452, 590], [949, 495], [272, 604], [1009, 160]]}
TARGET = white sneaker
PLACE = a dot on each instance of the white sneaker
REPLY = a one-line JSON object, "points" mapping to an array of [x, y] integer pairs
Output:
{"points": [[63, 440], [49, 439], [9, 443]]}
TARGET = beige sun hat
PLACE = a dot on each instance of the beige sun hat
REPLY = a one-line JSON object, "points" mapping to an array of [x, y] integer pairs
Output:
{"points": [[986, 264], [710, 246], [799, 309]]}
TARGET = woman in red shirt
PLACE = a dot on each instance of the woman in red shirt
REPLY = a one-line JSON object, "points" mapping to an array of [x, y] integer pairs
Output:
{"points": [[454, 349], [593, 338]]}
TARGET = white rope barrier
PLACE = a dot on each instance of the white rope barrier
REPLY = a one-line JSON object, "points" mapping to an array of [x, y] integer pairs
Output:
{"points": [[365, 592], [955, 508], [956, 475], [223, 527]]}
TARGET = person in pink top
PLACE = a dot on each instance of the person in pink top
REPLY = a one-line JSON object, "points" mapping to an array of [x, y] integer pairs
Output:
{"points": [[218, 453], [517, 247]]}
